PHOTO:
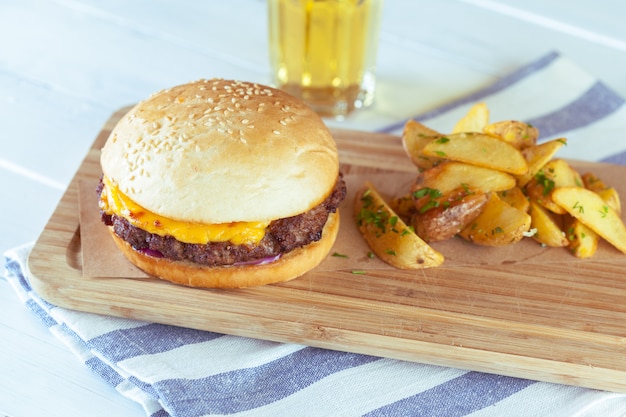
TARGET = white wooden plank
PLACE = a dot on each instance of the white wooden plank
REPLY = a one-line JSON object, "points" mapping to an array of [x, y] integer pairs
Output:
{"points": [[36, 365]]}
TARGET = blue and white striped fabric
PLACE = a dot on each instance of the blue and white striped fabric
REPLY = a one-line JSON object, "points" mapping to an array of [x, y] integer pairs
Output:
{"points": [[175, 371]]}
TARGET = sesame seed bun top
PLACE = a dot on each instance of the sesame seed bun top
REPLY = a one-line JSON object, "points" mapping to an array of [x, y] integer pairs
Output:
{"points": [[220, 151]]}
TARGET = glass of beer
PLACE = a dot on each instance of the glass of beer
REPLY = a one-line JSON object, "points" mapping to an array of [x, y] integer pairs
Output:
{"points": [[324, 52]]}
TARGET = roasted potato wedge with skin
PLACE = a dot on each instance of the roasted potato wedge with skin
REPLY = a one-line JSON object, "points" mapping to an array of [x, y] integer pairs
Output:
{"points": [[556, 173], [403, 206], [478, 149], [446, 220], [548, 227], [519, 134], [593, 212], [475, 120], [592, 182], [582, 241], [388, 236], [451, 175], [515, 197], [414, 136], [611, 196], [608, 194], [498, 224], [537, 156]]}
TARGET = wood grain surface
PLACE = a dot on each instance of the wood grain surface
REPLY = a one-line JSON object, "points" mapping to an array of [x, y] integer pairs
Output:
{"points": [[563, 323]]}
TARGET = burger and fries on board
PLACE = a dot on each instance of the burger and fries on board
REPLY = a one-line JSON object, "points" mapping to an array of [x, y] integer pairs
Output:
{"points": [[229, 184]]}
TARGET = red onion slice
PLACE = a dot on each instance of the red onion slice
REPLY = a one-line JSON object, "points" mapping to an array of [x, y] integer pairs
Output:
{"points": [[262, 261], [151, 252]]}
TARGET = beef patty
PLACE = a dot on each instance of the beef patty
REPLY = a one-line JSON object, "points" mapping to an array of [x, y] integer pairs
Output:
{"points": [[282, 235]]}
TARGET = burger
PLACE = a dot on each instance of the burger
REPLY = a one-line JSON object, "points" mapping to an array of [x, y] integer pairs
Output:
{"points": [[221, 184]]}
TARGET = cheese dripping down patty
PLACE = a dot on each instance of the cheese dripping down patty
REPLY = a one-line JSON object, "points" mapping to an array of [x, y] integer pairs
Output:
{"points": [[113, 201]]}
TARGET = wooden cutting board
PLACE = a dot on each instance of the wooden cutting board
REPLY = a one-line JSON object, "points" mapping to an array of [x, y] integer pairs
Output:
{"points": [[563, 322]]}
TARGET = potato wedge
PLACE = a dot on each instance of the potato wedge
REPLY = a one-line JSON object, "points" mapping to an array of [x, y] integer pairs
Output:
{"points": [[498, 224], [414, 136], [519, 134], [475, 120], [611, 196], [592, 182], [388, 236], [451, 175], [478, 149], [556, 173], [403, 206], [582, 241], [608, 194], [594, 212], [515, 197], [547, 226], [537, 156], [446, 220]]}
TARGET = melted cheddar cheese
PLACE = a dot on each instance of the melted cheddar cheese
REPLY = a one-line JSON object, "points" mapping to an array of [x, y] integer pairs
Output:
{"points": [[113, 201]]}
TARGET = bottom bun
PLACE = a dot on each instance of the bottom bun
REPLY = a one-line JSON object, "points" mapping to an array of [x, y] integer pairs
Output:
{"points": [[289, 266]]}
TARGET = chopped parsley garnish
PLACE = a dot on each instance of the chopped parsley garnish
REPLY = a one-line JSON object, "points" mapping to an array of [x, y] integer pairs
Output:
{"points": [[430, 192], [604, 211], [376, 216], [546, 182], [578, 207]]}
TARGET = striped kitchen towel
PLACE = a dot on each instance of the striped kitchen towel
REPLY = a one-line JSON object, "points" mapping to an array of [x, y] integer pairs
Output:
{"points": [[173, 371]]}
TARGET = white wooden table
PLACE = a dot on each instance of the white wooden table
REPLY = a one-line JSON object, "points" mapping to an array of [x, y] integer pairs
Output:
{"points": [[66, 65]]}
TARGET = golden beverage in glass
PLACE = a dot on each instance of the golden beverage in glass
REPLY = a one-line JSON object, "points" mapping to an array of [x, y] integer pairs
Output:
{"points": [[324, 51]]}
